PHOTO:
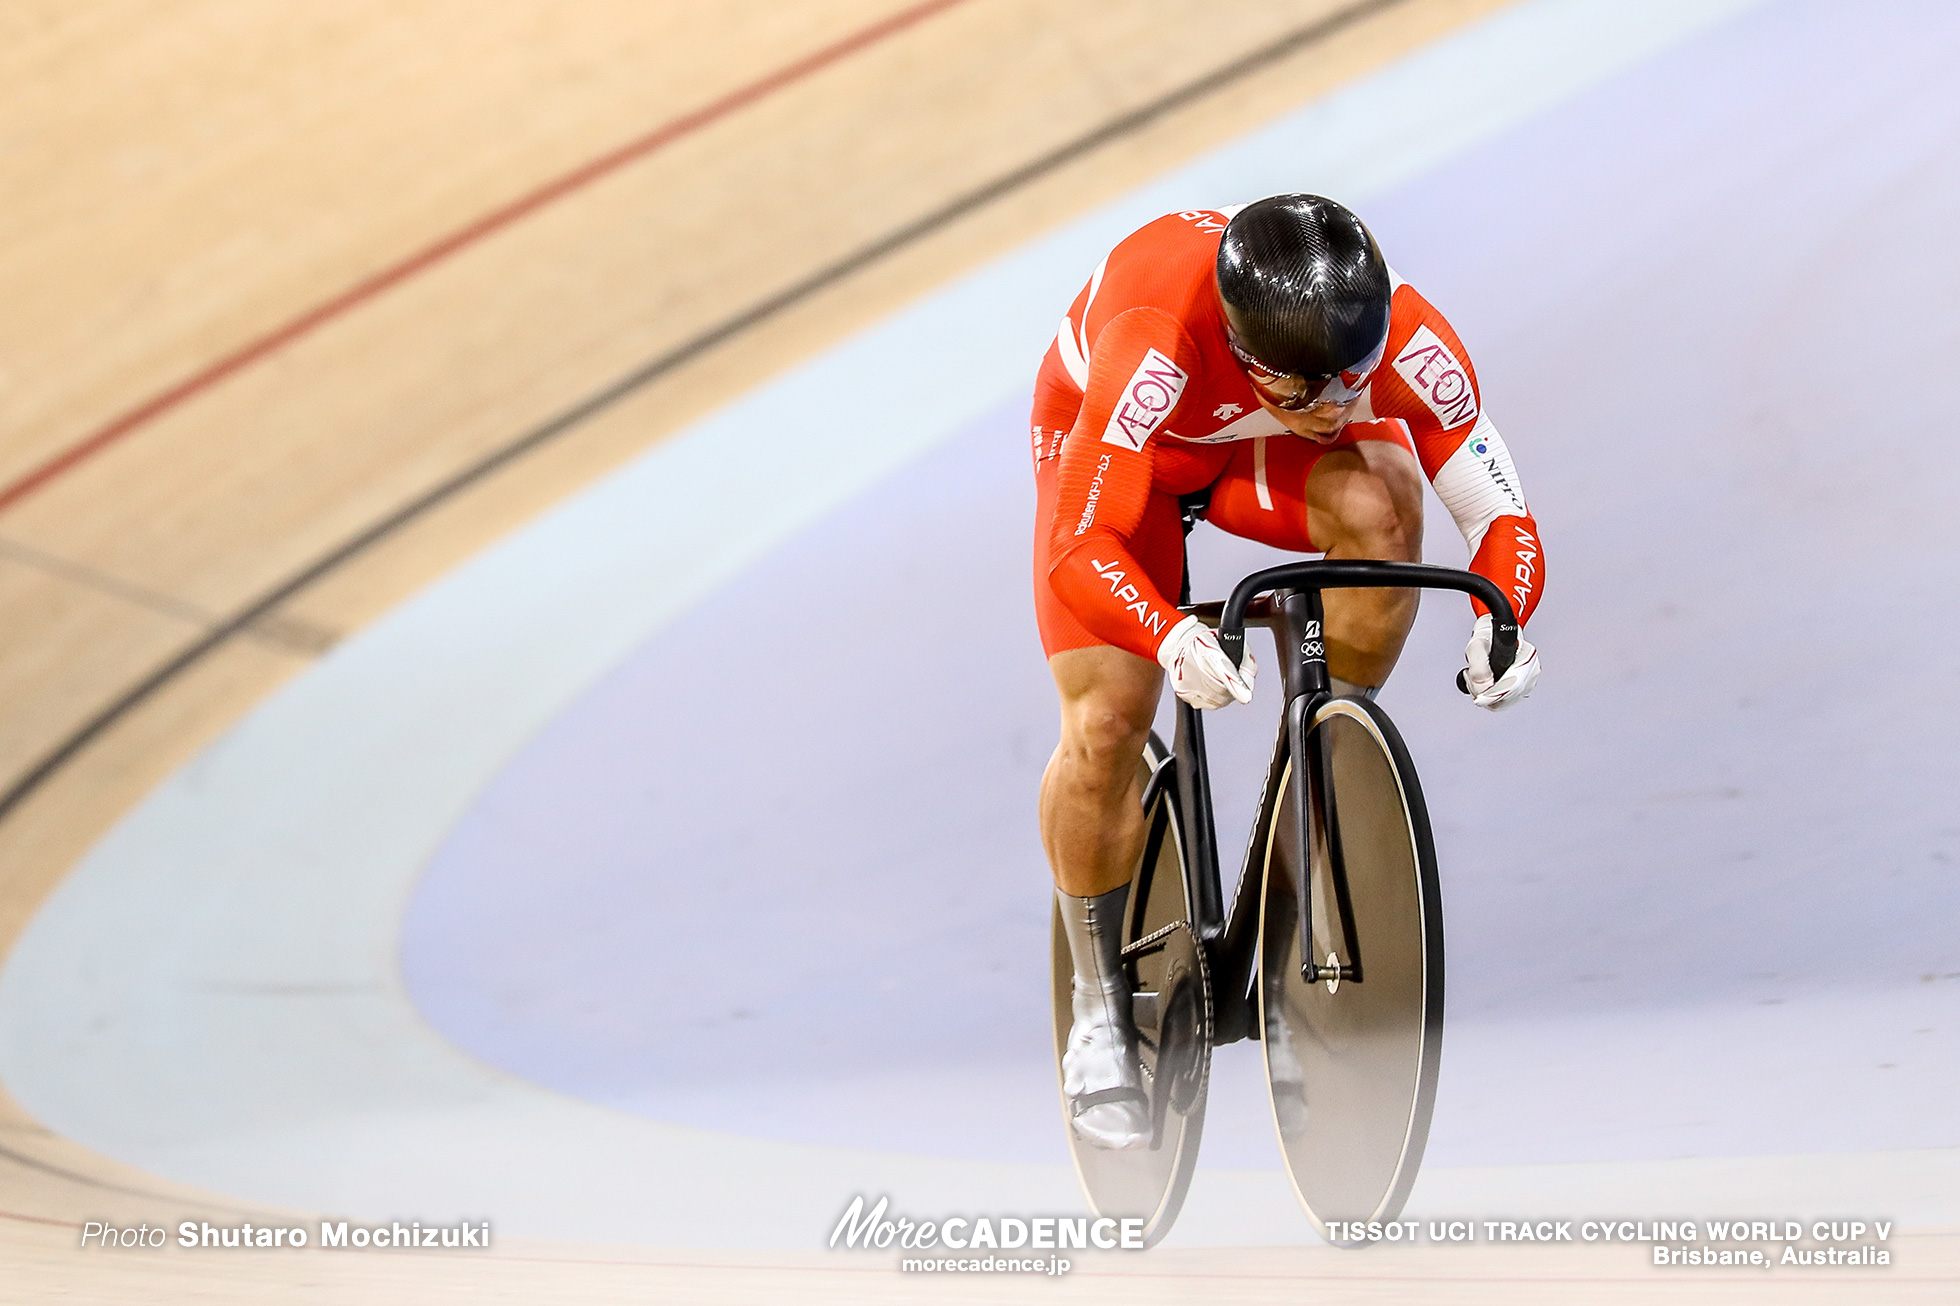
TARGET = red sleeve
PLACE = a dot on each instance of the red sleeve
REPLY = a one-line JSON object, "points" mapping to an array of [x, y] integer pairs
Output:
{"points": [[1429, 382], [1138, 370], [1510, 558]]}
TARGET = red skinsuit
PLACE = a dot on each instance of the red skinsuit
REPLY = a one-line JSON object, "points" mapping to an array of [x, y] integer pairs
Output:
{"points": [[1139, 400]]}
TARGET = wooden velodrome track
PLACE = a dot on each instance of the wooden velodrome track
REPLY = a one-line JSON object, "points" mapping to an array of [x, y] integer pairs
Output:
{"points": [[305, 303]]}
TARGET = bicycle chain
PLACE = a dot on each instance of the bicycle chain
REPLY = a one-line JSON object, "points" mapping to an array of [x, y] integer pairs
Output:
{"points": [[1130, 949], [1204, 990]]}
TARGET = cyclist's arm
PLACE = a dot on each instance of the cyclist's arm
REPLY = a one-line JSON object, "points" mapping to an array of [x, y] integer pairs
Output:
{"points": [[1138, 370], [1479, 485], [1466, 460]]}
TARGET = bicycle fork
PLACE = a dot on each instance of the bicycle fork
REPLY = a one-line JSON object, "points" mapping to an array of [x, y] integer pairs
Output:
{"points": [[1315, 817]]}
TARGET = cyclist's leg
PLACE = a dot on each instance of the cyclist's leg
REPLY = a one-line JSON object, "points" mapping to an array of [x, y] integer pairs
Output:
{"points": [[1092, 824], [1360, 497]]}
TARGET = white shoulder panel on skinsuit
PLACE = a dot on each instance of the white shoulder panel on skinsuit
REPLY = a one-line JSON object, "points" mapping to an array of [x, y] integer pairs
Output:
{"points": [[1478, 484], [1072, 339]]}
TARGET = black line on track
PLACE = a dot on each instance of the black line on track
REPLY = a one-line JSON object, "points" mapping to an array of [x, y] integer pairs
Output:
{"points": [[891, 242], [104, 1185]]}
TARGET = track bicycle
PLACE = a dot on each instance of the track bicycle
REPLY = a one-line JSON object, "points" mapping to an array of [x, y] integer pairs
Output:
{"points": [[1331, 950]]}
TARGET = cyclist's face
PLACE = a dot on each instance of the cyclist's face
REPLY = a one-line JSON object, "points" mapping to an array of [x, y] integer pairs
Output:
{"points": [[1315, 409], [1320, 424]]}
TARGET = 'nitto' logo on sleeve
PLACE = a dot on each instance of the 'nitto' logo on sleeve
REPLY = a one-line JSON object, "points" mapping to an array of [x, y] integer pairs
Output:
{"points": [[1147, 400], [1438, 379]]}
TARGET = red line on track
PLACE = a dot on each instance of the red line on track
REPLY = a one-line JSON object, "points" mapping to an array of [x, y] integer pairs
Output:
{"points": [[495, 220]]}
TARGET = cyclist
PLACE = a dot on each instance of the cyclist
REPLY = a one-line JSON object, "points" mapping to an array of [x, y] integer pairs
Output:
{"points": [[1267, 356]]}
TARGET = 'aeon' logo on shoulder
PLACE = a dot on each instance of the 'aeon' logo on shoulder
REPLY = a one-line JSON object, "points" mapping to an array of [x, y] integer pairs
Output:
{"points": [[1147, 400], [1438, 379]]}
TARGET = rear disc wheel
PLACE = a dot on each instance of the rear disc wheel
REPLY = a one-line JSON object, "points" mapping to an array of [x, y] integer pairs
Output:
{"points": [[1171, 1001]]}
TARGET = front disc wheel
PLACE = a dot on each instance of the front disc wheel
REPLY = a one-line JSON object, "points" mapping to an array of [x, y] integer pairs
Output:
{"points": [[1351, 990]]}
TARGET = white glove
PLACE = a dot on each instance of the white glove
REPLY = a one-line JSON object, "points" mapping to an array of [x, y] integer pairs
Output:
{"points": [[1201, 674], [1515, 684]]}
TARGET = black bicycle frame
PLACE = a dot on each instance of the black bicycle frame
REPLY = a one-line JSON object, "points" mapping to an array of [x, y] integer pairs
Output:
{"points": [[1286, 599]]}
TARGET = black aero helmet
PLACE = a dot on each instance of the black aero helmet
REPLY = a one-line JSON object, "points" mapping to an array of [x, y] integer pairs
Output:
{"points": [[1303, 285]]}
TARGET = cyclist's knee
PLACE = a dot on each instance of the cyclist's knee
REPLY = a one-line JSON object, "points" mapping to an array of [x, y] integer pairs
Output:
{"points": [[1109, 699], [1105, 737], [1369, 504]]}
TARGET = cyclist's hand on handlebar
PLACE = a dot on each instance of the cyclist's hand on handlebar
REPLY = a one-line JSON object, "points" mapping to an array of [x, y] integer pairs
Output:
{"points": [[1503, 691], [1201, 674]]}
